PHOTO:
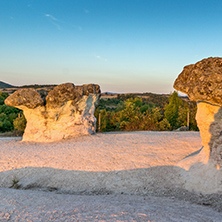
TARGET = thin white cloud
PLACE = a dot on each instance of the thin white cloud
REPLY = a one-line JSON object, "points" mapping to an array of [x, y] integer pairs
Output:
{"points": [[53, 21], [101, 58], [51, 17]]}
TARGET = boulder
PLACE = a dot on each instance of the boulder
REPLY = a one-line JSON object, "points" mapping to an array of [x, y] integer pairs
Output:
{"points": [[202, 82], [67, 111], [183, 128]]}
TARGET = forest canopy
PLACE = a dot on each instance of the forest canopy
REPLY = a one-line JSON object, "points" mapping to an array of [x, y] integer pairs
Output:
{"points": [[147, 112]]}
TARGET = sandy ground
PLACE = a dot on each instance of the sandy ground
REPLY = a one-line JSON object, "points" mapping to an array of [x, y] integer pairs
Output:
{"points": [[130, 176]]}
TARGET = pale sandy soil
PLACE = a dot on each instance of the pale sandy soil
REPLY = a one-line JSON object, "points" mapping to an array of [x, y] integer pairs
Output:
{"points": [[129, 176]]}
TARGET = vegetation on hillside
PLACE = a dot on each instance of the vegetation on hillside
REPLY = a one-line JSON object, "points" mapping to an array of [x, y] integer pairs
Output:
{"points": [[147, 112], [11, 119], [126, 112], [5, 85], [36, 86]]}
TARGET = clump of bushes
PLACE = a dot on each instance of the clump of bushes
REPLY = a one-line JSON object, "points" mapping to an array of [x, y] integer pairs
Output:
{"points": [[19, 123], [11, 119], [153, 113]]}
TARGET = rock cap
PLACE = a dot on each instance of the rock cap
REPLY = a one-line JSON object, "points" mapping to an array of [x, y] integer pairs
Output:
{"points": [[202, 81], [62, 93], [26, 97]]}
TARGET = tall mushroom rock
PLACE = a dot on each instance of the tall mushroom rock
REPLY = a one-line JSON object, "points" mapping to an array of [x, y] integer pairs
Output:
{"points": [[67, 111], [202, 82]]}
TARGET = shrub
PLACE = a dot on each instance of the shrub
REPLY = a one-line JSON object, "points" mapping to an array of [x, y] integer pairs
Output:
{"points": [[20, 123], [164, 125]]}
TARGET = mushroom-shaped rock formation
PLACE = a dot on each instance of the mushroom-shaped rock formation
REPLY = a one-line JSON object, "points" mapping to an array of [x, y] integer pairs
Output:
{"points": [[67, 111], [202, 82]]}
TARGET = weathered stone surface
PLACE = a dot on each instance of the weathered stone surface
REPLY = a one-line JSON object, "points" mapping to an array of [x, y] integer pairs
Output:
{"points": [[209, 120], [202, 82], [60, 94], [29, 98], [66, 111]]}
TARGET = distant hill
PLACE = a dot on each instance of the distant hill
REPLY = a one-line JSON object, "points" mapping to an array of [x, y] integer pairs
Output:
{"points": [[36, 86], [110, 93], [5, 85]]}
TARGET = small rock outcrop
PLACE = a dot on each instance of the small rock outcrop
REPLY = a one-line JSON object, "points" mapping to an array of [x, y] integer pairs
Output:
{"points": [[67, 111], [202, 82]]}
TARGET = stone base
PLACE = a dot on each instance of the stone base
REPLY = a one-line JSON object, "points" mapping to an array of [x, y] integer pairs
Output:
{"points": [[209, 120], [48, 125]]}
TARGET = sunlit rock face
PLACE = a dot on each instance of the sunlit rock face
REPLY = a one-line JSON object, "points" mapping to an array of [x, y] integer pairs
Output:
{"points": [[67, 111], [202, 82]]}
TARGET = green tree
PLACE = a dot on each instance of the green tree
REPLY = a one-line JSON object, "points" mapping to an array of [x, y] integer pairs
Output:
{"points": [[172, 109], [193, 111], [144, 108], [164, 125], [3, 96], [182, 115], [8, 109], [151, 119], [20, 123], [154, 112], [5, 124], [7, 114]]}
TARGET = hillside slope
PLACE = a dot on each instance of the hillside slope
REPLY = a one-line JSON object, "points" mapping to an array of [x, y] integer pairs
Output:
{"points": [[5, 85]]}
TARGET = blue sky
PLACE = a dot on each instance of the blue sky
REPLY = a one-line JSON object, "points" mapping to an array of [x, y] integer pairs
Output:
{"points": [[122, 45]]}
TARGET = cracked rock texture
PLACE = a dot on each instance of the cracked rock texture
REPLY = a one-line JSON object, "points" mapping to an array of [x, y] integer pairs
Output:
{"points": [[67, 111], [202, 82]]}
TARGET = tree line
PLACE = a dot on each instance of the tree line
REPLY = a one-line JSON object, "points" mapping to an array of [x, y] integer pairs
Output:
{"points": [[129, 112], [154, 112]]}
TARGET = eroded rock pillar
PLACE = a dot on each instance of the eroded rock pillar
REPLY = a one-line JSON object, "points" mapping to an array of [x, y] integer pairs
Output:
{"points": [[202, 82], [67, 111]]}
